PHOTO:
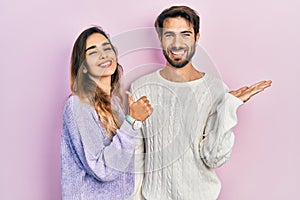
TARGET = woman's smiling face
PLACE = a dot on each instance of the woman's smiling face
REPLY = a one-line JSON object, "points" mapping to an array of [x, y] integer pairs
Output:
{"points": [[100, 57]]}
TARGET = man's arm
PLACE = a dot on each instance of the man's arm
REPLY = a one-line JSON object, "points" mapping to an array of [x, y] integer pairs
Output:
{"points": [[218, 138]]}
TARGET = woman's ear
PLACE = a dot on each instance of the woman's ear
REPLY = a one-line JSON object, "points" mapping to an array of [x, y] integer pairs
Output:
{"points": [[84, 70]]}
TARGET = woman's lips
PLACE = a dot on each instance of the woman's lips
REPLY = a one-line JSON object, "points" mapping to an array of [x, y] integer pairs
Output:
{"points": [[105, 64]]}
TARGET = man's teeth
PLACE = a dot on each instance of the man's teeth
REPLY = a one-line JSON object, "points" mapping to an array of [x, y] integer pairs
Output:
{"points": [[105, 64], [178, 52]]}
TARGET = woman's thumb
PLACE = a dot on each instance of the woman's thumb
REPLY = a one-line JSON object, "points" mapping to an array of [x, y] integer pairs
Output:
{"points": [[130, 98]]}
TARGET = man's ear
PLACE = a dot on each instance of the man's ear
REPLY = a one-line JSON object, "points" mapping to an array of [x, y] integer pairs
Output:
{"points": [[197, 37], [160, 41]]}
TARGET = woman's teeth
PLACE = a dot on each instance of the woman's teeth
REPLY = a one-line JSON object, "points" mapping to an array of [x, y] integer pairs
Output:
{"points": [[105, 64]]}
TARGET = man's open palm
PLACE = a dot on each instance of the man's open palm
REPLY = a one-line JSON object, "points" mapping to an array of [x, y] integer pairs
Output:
{"points": [[245, 93]]}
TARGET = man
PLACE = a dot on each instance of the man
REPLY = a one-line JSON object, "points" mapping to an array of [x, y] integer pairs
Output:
{"points": [[189, 133]]}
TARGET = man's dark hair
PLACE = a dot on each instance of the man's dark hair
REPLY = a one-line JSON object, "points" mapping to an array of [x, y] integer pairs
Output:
{"points": [[178, 11]]}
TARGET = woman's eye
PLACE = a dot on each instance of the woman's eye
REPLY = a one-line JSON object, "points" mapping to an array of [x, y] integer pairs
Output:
{"points": [[92, 53], [107, 49]]}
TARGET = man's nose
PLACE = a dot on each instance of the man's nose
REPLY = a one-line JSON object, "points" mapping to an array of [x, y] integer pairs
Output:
{"points": [[177, 43]]}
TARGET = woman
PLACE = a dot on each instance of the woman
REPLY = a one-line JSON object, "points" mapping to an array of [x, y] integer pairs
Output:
{"points": [[97, 144]]}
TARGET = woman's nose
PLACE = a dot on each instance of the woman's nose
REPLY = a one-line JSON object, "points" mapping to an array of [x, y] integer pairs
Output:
{"points": [[102, 55]]}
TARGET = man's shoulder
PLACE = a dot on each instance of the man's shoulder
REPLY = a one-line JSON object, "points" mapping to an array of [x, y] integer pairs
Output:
{"points": [[211, 78], [143, 86], [214, 81], [216, 87]]}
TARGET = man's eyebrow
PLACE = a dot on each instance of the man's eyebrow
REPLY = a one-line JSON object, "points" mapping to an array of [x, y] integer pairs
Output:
{"points": [[187, 32], [168, 32], [91, 47]]}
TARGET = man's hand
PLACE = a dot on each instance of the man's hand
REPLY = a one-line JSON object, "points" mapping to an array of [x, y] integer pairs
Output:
{"points": [[245, 93]]}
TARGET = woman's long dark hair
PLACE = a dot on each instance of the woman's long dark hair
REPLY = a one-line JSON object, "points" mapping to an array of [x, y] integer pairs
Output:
{"points": [[87, 89]]}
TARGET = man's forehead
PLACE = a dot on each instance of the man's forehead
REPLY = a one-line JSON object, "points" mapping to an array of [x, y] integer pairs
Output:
{"points": [[177, 24]]}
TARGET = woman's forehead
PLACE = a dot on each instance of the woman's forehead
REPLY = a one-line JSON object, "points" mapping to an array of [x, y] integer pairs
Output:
{"points": [[96, 39]]}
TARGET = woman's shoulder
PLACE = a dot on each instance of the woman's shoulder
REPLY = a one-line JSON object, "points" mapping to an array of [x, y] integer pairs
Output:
{"points": [[75, 104], [70, 103]]}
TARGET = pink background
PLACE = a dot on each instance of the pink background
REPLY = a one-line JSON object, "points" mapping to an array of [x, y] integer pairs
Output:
{"points": [[247, 40]]}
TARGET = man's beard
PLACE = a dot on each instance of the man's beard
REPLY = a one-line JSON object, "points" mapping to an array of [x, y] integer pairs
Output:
{"points": [[180, 64]]}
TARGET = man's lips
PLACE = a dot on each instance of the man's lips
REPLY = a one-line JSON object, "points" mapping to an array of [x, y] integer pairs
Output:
{"points": [[105, 64], [178, 53]]}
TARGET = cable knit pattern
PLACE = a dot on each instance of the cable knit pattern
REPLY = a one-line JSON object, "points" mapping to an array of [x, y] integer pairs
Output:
{"points": [[92, 166], [188, 135]]}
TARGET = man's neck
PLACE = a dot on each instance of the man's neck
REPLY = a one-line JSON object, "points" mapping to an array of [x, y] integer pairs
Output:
{"points": [[184, 74]]}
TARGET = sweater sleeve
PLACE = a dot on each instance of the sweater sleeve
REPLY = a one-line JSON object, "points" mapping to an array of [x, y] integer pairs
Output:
{"points": [[104, 163], [218, 138]]}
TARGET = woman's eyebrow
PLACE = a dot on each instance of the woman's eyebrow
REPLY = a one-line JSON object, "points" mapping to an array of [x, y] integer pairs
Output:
{"points": [[105, 44], [91, 47], [94, 46]]}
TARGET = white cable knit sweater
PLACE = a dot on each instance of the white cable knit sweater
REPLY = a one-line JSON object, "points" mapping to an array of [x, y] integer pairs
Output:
{"points": [[188, 135]]}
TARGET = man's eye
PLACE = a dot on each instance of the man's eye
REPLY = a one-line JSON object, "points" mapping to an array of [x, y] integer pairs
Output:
{"points": [[186, 34], [108, 49]]}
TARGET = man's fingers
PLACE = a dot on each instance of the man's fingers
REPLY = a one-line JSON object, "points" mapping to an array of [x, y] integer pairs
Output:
{"points": [[244, 88], [266, 84], [263, 84], [239, 91], [260, 86], [256, 84], [255, 91]]}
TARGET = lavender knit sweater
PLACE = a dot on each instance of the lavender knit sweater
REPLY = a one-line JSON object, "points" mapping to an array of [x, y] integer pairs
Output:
{"points": [[92, 166]]}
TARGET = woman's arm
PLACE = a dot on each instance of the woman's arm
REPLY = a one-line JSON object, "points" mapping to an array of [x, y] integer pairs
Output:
{"points": [[105, 163]]}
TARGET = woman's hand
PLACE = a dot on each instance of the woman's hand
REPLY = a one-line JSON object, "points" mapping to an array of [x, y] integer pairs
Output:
{"points": [[140, 109]]}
